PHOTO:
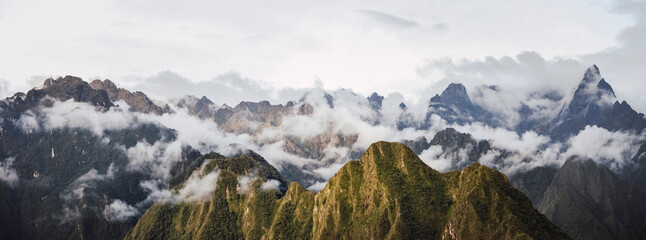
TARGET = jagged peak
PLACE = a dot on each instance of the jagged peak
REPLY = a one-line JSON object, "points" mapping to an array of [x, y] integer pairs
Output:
{"points": [[455, 94], [591, 77], [68, 87], [449, 134], [375, 101], [375, 95], [592, 74], [593, 89], [67, 80], [204, 100]]}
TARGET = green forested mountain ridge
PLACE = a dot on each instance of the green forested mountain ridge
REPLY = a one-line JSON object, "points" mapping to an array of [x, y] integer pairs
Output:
{"points": [[388, 194]]}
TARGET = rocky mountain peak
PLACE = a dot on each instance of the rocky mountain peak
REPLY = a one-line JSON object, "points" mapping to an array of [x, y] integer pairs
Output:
{"points": [[455, 106], [384, 155], [203, 102], [375, 101], [451, 138], [592, 74], [138, 101], [68, 87], [594, 103], [593, 89], [454, 95]]}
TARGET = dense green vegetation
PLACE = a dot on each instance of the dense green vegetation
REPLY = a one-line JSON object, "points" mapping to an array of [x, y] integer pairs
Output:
{"points": [[389, 194]]}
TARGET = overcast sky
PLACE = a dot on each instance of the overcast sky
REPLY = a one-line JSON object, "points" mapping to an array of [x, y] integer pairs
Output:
{"points": [[411, 47]]}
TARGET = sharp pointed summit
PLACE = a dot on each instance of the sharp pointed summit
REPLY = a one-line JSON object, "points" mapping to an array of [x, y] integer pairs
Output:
{"points": [[454, 105], [592, 75], [375, 101], [594, 103], [455, 94], [593, 89]]}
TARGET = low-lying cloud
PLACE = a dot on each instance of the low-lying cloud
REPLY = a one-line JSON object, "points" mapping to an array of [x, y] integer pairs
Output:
{"points": [[8, 173], [119, 210], [198, 187], [612, 149]]}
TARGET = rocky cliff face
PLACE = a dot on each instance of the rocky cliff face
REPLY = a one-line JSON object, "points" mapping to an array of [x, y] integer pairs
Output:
{"points": [[388, 194], [590, 202]]}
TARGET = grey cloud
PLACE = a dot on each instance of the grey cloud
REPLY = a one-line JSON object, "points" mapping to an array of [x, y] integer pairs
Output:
{"points": [[523, 78], [388, 19], [120, 23], [36, 80], [229, 88], [94, 175], [76, 115], [529, 150], [76, 191], [611, 149], [504, 103], [634, 7], [318, 186], [440, 26], [523, 73], [119, 211], [156, 159], [197, 188], [4, 88], [8, 173], [624, 63], [245, 182], [270, 184]]}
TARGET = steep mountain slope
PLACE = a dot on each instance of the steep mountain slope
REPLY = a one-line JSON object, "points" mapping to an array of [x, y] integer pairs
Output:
{"points": [[589, 202], [66, 179], [389, 194], [637, 175], [49, 200]]}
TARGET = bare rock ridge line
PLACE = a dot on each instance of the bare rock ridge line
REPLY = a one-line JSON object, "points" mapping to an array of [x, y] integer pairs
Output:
{"points": [[137, 100]]}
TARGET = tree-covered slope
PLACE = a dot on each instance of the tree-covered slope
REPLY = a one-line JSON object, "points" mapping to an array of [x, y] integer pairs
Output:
{"points": [[389, 194]]}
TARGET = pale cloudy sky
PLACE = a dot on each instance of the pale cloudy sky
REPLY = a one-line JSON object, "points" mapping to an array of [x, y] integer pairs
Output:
{"points": [[411, 47]]}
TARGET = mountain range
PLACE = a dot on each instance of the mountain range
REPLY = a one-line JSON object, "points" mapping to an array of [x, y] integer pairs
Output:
{"points": [[388, 194], [83, 160]]}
